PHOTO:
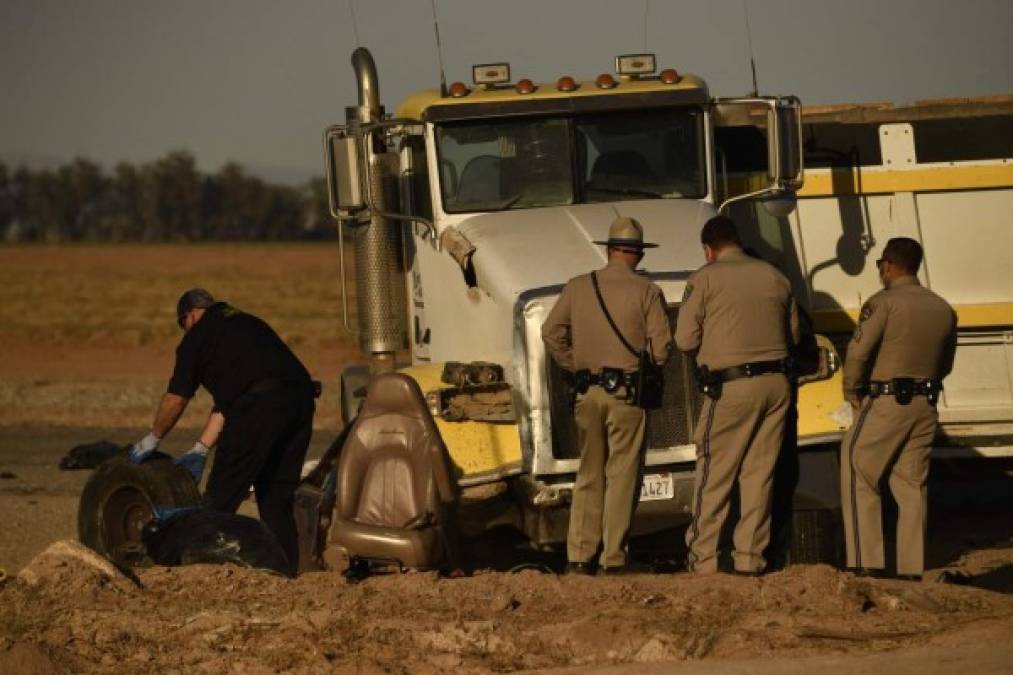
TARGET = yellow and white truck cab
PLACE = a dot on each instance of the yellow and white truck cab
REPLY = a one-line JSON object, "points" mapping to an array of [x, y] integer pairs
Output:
{"points": [[471, 207]]}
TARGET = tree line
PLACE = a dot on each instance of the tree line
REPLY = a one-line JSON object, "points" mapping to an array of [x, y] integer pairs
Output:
{"points": [[166, 200]]}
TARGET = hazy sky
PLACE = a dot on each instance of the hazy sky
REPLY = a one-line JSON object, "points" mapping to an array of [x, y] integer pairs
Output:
{"points": [[257, 80]]}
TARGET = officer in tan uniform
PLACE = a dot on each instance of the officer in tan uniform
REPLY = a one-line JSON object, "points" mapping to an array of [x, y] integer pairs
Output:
{"points": [[902, 348], [610, 430], [739, 316]]}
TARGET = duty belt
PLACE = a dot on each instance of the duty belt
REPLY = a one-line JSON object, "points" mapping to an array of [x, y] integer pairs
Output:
{"points": [[903, 389], [609, 379], [710, 381], [752, 369]]}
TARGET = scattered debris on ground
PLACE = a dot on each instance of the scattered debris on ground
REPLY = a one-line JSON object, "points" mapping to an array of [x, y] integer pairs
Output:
{"points": [[71, 608]]}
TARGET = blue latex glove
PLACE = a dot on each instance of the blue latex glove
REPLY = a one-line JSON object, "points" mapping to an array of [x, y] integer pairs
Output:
{"points": [[166, 513], [144, 449], [193, 460]]}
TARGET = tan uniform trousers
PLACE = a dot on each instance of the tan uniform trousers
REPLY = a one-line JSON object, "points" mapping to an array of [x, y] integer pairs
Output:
{"points": [[738, 438], [611, 436], [885, 433]]}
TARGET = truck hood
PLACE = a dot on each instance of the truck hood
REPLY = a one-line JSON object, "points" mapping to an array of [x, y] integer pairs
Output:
{"points": [[517, 251]]}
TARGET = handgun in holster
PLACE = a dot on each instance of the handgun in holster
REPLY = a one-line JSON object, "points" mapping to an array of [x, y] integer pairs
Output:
{"points": [[903, 390], [708, 382]]}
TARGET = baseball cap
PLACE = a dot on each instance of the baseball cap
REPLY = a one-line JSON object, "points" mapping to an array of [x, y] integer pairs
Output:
{"points": [[195, 298]]}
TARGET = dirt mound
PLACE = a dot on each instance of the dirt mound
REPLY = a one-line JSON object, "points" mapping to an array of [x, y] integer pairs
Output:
{"points": [[27, 659], [222, 619], [73, 568]]}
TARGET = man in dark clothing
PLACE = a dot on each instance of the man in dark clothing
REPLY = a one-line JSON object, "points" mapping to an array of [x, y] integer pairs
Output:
{"points": [[263, 411]]}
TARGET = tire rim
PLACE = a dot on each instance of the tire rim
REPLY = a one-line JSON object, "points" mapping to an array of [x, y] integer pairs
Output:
{"points": [[124, 515]]}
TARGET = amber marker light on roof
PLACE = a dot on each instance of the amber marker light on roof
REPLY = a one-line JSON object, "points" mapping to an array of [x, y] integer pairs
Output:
{"points": [[525, 86], [566, 83], [458, 89], [670, 76], [605, 81]]}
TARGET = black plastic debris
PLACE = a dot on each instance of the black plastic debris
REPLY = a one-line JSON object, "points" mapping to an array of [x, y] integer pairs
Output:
{"points": [[90, 455], [189, 536]]}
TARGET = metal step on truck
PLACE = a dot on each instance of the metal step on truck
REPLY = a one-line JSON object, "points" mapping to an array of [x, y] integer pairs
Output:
{"points": [[467, 210]]}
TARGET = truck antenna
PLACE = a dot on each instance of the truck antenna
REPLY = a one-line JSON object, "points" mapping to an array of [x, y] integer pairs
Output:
{"points": [[749, 41], [355, 23], [439, 50], [647, 4]]}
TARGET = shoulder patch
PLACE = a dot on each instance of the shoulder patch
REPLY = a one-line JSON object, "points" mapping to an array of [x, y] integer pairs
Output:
{"points": [[229, 311], [688, 292], [866, 312]]}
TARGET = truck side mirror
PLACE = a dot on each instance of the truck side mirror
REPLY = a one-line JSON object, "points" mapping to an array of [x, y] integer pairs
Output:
{"points": [[759, 142], [344, 186], [786, 144]]}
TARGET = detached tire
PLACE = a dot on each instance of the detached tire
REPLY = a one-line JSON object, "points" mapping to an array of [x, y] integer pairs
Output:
{"points": [[117, 502], [817, 537]]}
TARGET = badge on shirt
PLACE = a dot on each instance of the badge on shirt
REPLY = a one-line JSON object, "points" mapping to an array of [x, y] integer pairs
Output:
{"points": [[688, 292]]}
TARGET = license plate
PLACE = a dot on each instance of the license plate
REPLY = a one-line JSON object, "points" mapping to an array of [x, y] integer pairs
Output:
{"points": [[657, 486]]}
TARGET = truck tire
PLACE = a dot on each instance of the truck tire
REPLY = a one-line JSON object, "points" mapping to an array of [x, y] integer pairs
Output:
{"points": [[817, 538], [117, 502]]}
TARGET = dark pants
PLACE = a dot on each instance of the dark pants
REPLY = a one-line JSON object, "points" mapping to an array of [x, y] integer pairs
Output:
{"points": [[263, 444]]}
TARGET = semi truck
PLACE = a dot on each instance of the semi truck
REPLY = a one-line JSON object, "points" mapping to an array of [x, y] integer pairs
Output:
{"points": [[466, 211]]}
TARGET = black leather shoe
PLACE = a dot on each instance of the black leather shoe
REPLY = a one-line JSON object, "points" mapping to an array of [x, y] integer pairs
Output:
{"points": [[587, 568]]}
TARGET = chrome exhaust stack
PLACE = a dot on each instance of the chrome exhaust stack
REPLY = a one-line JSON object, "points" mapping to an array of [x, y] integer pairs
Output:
{"points": [[379, 241]]}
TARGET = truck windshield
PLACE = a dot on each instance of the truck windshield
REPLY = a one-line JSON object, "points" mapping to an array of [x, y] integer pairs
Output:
{"points": [[493, 165]]}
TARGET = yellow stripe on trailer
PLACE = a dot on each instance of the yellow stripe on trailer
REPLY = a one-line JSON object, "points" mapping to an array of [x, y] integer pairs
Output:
{"points": [[476, 448], [998, 314], [879, 181]]}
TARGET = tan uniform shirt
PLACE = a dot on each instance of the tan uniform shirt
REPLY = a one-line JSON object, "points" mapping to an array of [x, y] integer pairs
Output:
{"points": [[906, 330], [737, 310], [578, 336]]}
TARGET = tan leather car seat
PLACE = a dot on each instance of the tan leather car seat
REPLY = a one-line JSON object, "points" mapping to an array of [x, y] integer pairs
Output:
{"points": [[395, 488]]}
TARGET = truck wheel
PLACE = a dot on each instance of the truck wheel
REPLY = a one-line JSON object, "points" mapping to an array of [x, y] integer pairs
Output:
{"points": [[817, 537], [117, 502]]}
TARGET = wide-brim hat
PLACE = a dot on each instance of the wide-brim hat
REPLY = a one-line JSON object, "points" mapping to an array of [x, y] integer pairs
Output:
{"points": [[625, 231]]}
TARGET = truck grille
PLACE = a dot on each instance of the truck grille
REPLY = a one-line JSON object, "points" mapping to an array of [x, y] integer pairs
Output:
{"points": [[670, 425]]}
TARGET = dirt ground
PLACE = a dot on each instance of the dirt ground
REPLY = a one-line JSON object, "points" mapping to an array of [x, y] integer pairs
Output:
{"points": [[223, 619]]}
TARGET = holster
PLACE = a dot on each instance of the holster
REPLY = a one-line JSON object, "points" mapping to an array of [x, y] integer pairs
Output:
{"points": [[903, 390], [708, 382]]}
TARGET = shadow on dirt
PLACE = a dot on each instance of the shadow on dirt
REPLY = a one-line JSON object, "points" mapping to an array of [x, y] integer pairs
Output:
{"points": [[970, 502], [969, 506], [999, 580], [505, 549]]}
